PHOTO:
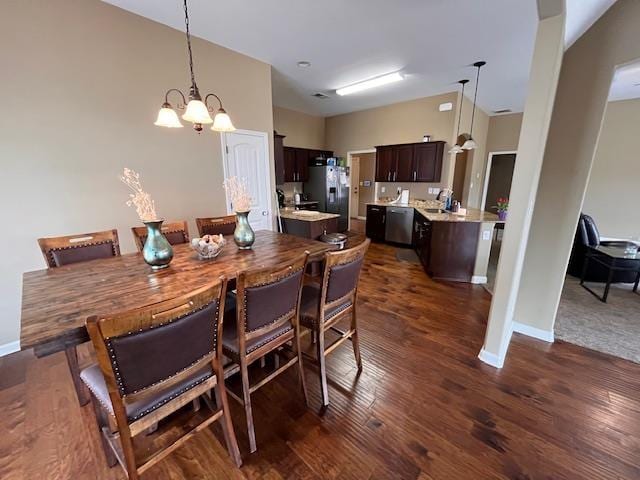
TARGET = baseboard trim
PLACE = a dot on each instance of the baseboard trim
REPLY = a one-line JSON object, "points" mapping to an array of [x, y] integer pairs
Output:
{"points": [[544, 335], [491, 358], [479, 279], [10, 347]]}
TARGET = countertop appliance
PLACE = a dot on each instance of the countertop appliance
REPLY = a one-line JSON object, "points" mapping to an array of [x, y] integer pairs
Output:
{"points": [[399, 225], [329, 185], [280, 194]]}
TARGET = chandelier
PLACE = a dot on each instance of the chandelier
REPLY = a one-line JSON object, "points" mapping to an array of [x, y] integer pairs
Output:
{"points": [[197, 111]]}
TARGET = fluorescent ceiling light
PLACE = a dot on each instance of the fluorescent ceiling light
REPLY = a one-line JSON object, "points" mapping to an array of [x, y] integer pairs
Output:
{"points": [[374, 82]]}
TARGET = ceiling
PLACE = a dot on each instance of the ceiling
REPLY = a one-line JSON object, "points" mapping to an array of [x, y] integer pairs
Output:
{"points": [[432, 42], [626, 83]]}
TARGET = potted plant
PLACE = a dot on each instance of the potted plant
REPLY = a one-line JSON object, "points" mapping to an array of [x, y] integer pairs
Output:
{"points": [[502, 207]]}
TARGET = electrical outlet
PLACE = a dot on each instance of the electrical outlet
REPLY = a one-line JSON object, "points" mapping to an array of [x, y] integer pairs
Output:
{"points": [[430, 191], [486, 234], [436, 191], [383, 189]]}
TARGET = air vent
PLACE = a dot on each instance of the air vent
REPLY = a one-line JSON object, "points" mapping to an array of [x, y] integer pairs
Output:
{"points": [[505, 110], [320, 95]]}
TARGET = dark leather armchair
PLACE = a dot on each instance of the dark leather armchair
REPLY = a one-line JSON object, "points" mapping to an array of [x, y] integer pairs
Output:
{"points": [[587, 235]]}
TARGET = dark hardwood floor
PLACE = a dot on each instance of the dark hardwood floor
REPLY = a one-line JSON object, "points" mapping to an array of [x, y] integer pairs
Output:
{"points": [[424, 406]]}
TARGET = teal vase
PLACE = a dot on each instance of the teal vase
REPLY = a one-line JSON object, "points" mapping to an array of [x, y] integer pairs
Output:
{"points": [[243, 234], [157, 250]]}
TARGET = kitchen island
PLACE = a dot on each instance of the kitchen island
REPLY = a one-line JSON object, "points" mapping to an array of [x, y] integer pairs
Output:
{"points": [[308, 223], [450, 246]]}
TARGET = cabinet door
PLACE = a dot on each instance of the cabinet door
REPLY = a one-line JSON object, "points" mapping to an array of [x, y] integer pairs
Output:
{"points": [[384, 164], [376, 220], [278, 158], [428, 162], [403, 163], [289, 164], [302, 165]]}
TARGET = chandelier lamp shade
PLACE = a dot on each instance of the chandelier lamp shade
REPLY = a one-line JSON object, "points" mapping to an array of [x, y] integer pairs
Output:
{"points": [[471, 144], [456, 149], [196, 110]]}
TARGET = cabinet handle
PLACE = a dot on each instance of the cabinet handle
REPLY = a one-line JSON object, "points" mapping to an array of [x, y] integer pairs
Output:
{"points": [[389, 176], [414, 176], [395, 175], [383, 218]]}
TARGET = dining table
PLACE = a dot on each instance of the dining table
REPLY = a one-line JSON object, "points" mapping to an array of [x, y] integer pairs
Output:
{"points": [[56, 302]]}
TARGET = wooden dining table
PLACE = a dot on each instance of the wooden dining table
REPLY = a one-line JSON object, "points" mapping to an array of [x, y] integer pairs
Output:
{"points": [[56, 302]]}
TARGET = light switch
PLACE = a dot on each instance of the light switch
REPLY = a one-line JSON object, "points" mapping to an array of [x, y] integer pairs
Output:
{"points": [[436, 191], [430, 191], [383, 189], [486, 234]]}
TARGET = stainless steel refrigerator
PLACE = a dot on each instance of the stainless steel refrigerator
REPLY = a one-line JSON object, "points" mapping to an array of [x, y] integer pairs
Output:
{"points": [[329, 185]]}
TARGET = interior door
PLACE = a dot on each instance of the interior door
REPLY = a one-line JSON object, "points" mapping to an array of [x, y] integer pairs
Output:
{"points": [[246, 156], [354, 201]]}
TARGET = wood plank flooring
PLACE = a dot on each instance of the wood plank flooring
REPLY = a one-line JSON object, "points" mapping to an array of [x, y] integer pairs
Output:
{"points": [[424, 406]]}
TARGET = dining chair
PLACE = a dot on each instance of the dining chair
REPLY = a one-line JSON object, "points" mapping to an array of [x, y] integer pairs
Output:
{"points": [[59, 251], [333, 300], [216, 225], [266, 319], [153, 361], [175, 233]]}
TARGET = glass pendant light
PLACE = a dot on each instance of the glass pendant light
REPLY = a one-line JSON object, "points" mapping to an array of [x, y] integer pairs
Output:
{"points": [[456, 149], [197, 111], [471, 144]]}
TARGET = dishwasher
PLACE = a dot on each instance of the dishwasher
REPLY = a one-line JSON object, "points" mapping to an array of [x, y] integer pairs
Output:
{"points": [[399, 225]]}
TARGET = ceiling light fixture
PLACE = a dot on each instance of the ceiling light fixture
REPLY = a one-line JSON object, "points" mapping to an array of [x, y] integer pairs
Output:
{"points": [[197, 110], [371, 83], [470, 144], [304, 64], [456, 149]]}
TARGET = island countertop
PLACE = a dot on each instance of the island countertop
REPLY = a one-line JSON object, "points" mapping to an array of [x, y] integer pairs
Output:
{"points": [[423, 207], [306, 215]]}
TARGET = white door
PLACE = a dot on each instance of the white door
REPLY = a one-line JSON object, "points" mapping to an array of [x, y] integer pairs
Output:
{"points": [[355, 187], [246, 156]]}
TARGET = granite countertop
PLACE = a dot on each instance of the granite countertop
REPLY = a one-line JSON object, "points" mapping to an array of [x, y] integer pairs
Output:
{"points": [[421, 206], [305, 215]]}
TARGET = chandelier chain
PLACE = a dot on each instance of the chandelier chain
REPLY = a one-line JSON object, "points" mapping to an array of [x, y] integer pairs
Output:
{"points": [[186, 23], [475, 97]]}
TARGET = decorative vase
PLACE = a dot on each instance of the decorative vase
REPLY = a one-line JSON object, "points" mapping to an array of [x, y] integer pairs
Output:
{"points": [[243, 234], [502, 215], [157, 250]]}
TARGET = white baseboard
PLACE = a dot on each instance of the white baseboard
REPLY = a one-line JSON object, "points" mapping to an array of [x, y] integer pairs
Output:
{"points": [[10, 347], [534, 332], [491, 359], [479, 279]]}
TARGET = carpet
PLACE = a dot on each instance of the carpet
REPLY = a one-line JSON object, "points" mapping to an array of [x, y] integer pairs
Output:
{"points": [[612, 327]]}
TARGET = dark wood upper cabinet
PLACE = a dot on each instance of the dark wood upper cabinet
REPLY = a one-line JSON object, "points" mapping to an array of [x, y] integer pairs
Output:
{"points": [[289, 164], [296, 162], [302, 165], [278, 157], [410, 162], [404, 171]]}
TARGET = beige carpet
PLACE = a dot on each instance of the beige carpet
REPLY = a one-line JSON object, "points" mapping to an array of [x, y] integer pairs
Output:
{"points": [[612, 327]]}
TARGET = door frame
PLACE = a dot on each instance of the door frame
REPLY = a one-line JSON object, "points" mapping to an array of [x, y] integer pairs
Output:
{"points": [[487, 174], [268, 178], [375, 191]]}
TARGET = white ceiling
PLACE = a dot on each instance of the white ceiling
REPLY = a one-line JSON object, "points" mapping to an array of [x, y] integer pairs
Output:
{"points": [[433, 42]]}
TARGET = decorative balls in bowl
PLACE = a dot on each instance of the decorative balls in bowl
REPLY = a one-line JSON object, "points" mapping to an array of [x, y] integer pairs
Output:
{"points": [[209, 246]]}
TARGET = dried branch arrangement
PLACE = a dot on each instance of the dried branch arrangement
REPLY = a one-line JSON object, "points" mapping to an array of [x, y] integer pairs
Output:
{"points": [[238, 193], [145, 206]]}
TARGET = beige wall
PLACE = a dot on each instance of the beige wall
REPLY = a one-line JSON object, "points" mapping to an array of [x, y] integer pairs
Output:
{"points": [[575, 128], [301, 130], [611, 196], [476, 159], [83, 82], [504, 132]]}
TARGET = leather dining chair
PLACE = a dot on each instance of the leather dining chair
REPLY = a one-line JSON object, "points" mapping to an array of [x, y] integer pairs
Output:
{"points": [[334, 300], [265, 319], [59, 251], [175, 233], [216, 225], [152, 361]]}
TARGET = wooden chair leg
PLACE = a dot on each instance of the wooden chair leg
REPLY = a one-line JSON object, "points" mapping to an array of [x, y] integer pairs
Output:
{"points": [[244, 372], [129, 457], [102, 421], [82, 392], [196, 404], [355, 340], [303, 382], [227, 427], [323, 368]]}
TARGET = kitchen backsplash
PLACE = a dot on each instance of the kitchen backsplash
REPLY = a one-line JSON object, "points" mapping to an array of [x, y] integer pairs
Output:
{"points": [[290, 188], [417, 191]]}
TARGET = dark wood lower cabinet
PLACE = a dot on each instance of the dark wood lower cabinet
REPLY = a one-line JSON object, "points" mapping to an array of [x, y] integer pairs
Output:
{"points": [[452, 253], [313, 230], [376, 222]]}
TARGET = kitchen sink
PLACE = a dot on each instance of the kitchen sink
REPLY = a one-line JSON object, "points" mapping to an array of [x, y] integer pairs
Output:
{"points": [[434, 210]]}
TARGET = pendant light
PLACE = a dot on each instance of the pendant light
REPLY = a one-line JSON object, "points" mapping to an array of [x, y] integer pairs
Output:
{"points": [[456, 149], [470, 144], [197, 111]]}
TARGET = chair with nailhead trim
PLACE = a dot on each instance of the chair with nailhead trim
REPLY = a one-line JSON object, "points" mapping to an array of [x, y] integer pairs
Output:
{"points": [[265, 320], [334, 300], [175, 233], [59, 251], [153, 361], [216, 225]]}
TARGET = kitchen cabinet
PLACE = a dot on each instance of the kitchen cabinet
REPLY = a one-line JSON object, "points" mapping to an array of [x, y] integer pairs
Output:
{"points": [[296, 162], [376, 222], [453, 249], [422, 238], [410, 162], [278, 157], [309, 229]]}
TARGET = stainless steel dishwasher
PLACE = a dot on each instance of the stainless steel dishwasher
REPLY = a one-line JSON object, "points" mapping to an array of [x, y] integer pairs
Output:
{"points": [[399, 225]]}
